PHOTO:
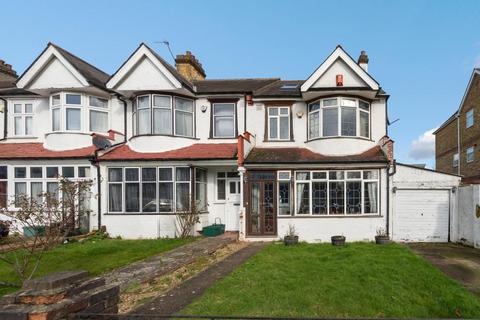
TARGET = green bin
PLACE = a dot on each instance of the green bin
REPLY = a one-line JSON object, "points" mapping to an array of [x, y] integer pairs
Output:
{"points": [[33, 231], [214, 230]]}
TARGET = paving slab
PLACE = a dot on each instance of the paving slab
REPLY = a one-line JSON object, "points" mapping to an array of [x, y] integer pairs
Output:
{"points": [[153, 267], [178, 298], [457, 261]]}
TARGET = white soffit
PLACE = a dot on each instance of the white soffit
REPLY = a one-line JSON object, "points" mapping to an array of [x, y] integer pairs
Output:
{"points": [[337, 55], [145, 61], [51, 70]]}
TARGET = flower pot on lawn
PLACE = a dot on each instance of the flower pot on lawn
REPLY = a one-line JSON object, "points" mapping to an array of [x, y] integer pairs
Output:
{"points": [[290, 240], [338, 240], [382, 239]]}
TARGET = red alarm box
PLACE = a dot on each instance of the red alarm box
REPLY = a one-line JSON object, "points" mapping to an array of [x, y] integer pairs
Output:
{"points": [[339, 81]]}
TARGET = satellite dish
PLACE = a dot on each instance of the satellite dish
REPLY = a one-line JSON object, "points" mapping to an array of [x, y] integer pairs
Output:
{"points": [[101, 142]]}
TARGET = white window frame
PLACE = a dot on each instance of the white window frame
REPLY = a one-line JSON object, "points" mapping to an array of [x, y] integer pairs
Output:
{"points": [[345, 179], [469, 121], [339, 106], [105, 110], [170, 108], [141, 182], [284, 180], [44, 179], [175, 117], [233, 117], [23, 116], [470, 154], [455, 161], [277, 117]]}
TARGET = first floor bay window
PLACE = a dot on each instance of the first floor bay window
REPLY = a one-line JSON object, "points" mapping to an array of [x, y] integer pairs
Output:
{"points": [[155, 189], [336, 192], [338, 117], [163, 115]]}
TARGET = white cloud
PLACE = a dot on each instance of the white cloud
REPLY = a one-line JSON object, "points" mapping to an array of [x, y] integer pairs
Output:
{"points": [[423, 147]]}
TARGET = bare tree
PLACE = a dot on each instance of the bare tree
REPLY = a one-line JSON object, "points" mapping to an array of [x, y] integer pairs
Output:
{"points": [[40, 223], [187, 219]]}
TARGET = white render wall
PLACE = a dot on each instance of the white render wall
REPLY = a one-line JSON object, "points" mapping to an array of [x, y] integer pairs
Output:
{"points": [[468, 220]]}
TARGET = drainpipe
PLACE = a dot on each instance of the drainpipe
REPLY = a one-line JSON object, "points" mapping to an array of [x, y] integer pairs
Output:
{"points": [[5, 120], [458, 144], [94, 162], [121, 98], [389, 175]]}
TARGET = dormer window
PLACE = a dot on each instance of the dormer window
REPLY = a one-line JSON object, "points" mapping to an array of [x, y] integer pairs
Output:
{"points": [[163, 115], [75, 112], [339, 117], [22, 119]]}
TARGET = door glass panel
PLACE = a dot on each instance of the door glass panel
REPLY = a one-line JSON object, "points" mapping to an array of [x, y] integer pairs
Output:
{"points": [[269, 200], [255, 208], [233, 186]]}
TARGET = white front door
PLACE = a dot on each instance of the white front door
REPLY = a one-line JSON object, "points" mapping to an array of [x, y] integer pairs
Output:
{"points": [[232, 207]]}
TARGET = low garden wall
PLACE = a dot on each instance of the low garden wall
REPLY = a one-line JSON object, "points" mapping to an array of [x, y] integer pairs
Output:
{"points": [[58, 295]]}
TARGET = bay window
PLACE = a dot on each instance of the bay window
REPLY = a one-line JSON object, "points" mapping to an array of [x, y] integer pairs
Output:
{"points": [[77, 112], [163, 115], [223, 120], [339, 117], [22, 119], [336, 192], [34, 181], [278, 123], [155, 189]]}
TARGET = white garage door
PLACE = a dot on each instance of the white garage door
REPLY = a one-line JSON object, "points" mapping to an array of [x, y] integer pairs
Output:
{"points": [[421, 215]]}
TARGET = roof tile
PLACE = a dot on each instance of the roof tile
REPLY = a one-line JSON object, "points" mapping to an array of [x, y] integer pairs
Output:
{"points": [[38, 151]]}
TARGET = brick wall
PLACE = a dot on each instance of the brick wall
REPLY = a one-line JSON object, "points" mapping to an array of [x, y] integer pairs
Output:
{"points": [[446, 138]]}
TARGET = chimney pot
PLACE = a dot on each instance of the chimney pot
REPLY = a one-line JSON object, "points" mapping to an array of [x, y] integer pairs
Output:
{"points": [[363, 60]]}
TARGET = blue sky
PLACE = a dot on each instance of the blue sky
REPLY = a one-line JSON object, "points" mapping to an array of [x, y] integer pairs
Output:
{"points": [[421, 52]]}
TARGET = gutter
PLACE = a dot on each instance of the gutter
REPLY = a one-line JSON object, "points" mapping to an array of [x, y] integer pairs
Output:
{"points": [[5, 120], [388, 193], [121, 98], [458, 142]]}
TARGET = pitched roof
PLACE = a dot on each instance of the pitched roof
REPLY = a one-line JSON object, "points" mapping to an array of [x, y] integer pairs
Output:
{"points": [[231, 85], [171, 68], [36, 150], [304, 155], [14, 91], [198, 151], [450, 119], [280, 88], [92, 74]]}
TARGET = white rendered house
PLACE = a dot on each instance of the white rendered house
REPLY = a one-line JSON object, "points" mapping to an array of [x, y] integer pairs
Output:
{"points": [[255, 154]]}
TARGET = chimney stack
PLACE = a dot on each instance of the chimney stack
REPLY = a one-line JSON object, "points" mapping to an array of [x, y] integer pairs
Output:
{"points": [[363, 60], [6, 72], [189, 67]]}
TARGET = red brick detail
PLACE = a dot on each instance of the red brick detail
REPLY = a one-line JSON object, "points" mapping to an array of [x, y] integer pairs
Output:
{"points": [[198, 151], [38, 151]]}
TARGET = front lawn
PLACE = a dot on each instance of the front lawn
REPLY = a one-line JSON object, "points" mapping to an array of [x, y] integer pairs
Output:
{"points": [[96, 256], [319, 280]]}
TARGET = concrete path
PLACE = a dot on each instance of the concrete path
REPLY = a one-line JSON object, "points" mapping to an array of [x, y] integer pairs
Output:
{"points": [[153, 267], [179, 297], [458, 262]]}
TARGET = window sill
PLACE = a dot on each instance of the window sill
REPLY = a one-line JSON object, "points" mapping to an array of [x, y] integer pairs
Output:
{"points": [[162, 135], [218, 138], [145, 213], [340, 137], [331, 216], [22, 137], [67, 132], [286, 140]]}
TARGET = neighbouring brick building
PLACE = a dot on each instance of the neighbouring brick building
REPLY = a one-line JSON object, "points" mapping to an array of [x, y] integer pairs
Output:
{"points": [[456, 141]]}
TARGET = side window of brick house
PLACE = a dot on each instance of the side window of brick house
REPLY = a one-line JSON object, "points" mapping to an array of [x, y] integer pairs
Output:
{"points": [[470, 154], [469, 121], [455, 160]]}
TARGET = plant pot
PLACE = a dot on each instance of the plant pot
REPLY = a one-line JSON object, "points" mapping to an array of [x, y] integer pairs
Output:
{"points": [[290, 240], [338, 240], [382, 239]]}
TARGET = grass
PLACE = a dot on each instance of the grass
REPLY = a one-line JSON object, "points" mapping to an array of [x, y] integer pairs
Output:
{"points": [[319, 280], [95, 256]]}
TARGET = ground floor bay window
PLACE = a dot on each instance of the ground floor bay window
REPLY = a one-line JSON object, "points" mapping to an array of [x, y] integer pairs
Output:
{"points": [[156, 189]]}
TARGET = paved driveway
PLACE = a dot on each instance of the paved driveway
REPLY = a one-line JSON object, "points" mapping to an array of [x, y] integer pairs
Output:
{"points": [[459, 262]]}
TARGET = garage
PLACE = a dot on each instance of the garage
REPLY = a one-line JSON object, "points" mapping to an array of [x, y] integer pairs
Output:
{"points": [[423, 205], [422, 215]]}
